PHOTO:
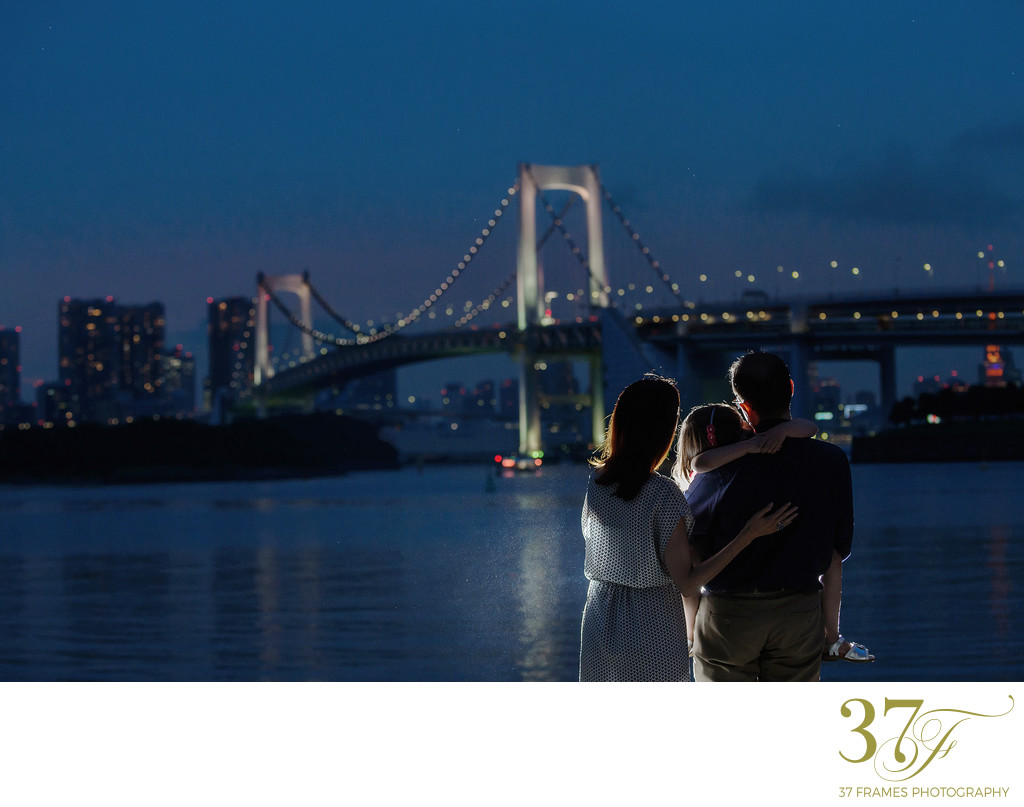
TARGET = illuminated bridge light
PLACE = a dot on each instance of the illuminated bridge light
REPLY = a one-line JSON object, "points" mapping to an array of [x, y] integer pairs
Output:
{"points": [[855, 270], [856, 314], [894, 314], [834, 264], [935, 313], [920, 316], [750, 278], [822, 315], [738, 273], [703, 278], [959, 315], [795, 275], [979, 313], [703, 317], [686, 317]]}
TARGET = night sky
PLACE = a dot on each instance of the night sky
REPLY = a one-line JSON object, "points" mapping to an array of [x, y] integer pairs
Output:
{"points": [[170, 152]]}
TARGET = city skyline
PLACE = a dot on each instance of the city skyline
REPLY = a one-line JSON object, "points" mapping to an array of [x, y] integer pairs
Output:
{"points": [[173, 154], [487, 368]]}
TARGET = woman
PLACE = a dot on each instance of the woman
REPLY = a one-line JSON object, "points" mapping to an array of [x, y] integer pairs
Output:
{"points": [[635, 524]]}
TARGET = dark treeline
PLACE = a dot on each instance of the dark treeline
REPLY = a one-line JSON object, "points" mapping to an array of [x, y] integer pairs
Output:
{"points": [[168, 450], [972, 403]]}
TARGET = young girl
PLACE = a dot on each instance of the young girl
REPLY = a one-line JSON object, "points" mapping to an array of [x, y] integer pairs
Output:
{"points": [[713, 435]]}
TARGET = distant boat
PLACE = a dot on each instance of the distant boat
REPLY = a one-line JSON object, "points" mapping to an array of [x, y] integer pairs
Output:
{"points": [[516, 462]]}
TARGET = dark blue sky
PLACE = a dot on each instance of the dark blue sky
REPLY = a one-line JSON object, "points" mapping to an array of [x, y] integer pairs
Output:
{"points": [[170, 153]]}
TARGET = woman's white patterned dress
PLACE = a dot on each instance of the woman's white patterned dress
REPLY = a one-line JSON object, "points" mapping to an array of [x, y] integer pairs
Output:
{"points": [[634, 628]]}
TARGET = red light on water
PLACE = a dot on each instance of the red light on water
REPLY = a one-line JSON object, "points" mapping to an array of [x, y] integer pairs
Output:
{"points": [[497, 457]]}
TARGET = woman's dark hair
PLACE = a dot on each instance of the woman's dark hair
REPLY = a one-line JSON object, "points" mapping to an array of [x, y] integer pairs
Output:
{"points": [[720, 421], [639, 436]]}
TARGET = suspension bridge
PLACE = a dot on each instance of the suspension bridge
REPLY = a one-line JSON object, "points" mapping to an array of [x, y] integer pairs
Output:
{"points": [[642, 323]]}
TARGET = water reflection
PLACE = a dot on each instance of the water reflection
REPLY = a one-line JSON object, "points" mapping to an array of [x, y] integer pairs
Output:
{"points": [[432, 576], [1001, 587]]}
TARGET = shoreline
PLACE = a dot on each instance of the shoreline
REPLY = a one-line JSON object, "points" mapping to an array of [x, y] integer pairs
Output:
{"points": [[161, 451]]}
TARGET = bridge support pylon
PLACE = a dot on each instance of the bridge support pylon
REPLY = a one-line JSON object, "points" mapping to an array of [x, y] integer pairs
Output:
{"points": [[583, 181], [294, 284]]}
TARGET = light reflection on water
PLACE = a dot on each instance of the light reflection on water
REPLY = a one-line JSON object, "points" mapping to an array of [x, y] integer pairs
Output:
{"points": [[430, 576]]}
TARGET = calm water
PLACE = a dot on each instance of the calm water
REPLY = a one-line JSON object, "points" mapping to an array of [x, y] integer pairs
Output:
{"points": [[431, 576]]}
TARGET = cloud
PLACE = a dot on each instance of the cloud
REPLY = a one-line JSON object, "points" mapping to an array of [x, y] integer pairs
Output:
{"points": [[957, 188], [991, 139]]}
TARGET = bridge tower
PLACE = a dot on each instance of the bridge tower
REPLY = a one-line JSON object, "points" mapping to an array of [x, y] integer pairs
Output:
{"points": [[294, 284], [583, 181]]}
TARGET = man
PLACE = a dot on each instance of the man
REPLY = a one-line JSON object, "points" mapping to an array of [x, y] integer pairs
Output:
{"points": [[770, 613]]}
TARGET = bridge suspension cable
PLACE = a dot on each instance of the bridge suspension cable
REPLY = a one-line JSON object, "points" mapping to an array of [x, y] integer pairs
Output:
{"points": [[352, 326], [492, 298], [388, 329], [644, 249]]}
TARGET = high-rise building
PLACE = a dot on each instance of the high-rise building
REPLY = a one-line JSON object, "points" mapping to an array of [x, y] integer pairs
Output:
{"points": [[484, 400], [140, 374], [998, 368], [508, 398], [453, 397], [10, 373], [89, 351], [179, 386], [111, 360], [53, 403], [377, 391], [232, 350]]}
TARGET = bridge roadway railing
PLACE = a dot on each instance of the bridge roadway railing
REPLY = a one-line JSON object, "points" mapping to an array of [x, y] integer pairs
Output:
{"points": [[844, 328], [945, 319], [339, 365]]}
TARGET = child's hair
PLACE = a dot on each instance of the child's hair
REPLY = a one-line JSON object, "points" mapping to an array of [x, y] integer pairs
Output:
{"points": [[707, 426]]}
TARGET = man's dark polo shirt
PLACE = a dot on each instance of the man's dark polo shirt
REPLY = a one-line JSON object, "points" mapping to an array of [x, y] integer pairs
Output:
{"points": [[813, 475]]}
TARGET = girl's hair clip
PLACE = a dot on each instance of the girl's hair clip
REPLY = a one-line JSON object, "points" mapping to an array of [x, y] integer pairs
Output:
{"points": [[712, 439]]}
